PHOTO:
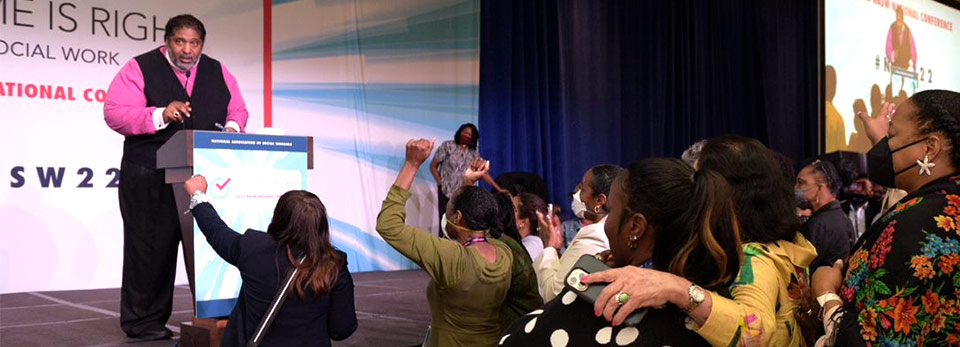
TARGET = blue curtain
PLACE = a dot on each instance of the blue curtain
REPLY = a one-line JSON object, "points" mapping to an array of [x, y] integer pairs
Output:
{"points": [[565, 85]]}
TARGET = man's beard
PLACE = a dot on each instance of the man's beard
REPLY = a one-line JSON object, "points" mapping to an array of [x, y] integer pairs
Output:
{"points": [[178, 64]]}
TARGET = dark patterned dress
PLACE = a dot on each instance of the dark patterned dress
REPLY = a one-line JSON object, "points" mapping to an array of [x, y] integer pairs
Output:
{"points": [[901, 282]]}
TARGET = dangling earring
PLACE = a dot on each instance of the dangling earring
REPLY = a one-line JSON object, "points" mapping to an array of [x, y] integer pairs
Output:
{"points": [[596, 209], [632, 243], [925, 166]]}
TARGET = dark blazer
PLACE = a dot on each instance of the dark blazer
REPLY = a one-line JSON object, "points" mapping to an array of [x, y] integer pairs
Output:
{"points": [[263, 266]]}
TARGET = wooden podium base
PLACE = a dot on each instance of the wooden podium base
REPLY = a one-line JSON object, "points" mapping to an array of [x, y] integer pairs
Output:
{"points": [[202, 332]]}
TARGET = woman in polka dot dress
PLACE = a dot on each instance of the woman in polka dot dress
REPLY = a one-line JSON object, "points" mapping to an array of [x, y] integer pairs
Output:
{"points": [[662, 215]]}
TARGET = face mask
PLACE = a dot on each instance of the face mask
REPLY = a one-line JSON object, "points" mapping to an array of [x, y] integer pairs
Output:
{"points": [[880, 163], [444, 222], [802, 202], [577, 205]]}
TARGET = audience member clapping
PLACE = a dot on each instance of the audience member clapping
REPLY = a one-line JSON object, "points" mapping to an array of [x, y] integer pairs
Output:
{"points": [[590, 203]]}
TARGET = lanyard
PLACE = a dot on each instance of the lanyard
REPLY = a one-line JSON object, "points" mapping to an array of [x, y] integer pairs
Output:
{"points": [[474, 240]]}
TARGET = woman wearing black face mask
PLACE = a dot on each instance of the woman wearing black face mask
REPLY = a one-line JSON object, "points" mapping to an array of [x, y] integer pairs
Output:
{"points": [[900, 285], [451, 160]]}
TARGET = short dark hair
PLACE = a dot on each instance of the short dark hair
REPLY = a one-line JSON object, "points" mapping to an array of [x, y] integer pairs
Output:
{"points": [[939, 111], [473, 140], [478, 207], [527, 209], [184, 21], [508, 222], [764, 197], [603, 176], [829, 175]]}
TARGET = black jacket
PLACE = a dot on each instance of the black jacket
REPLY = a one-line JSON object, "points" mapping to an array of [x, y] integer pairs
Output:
{"points": [[831, 232], [263, 265]]}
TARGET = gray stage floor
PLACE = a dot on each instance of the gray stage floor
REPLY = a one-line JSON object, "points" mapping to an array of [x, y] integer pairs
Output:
{"points": [[392, 310]]}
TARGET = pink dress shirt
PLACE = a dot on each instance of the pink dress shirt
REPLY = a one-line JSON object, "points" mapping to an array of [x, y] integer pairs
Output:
{"points": [[125, 109], [913, 45]]}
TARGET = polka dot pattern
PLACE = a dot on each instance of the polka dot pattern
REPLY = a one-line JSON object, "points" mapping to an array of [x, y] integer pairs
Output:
{"points": [[603, 336], [530, 325], [559, 338], [568, 298], [627, 336]]}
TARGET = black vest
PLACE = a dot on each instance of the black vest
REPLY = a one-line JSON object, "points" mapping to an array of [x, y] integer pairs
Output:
{"points": [[161, 86]]}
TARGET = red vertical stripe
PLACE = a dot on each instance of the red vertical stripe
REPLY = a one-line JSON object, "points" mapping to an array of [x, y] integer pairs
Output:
{"points": [[267, 63]]}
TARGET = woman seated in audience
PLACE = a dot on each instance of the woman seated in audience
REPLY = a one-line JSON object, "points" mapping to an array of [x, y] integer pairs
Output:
{"points": [[590, 203], [524, 295], [528, 205], [769, 289], [664, 216], [468, 286], [899, 286], [320, 306]]}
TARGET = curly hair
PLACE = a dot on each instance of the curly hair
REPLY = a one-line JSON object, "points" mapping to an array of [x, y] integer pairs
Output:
{"points": [[939, 111]]}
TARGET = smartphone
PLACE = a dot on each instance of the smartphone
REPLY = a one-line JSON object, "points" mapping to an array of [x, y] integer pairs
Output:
{"points": [[549, 212], [588, 264]]}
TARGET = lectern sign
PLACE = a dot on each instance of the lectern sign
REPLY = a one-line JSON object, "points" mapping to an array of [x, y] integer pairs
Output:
{"points": [[246, 175]]}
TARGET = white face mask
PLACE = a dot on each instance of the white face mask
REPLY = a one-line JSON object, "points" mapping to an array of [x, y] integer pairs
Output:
{"points": [[577, 205], [443, 226]]}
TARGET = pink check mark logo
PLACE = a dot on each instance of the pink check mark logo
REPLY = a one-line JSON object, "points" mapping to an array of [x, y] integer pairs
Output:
{"points": [[222, 185]]}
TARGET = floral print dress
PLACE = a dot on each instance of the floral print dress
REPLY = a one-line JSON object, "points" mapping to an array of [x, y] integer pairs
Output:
{"points": [[901, 283]]}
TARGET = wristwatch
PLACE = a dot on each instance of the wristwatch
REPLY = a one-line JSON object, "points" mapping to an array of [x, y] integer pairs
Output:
{"points": [[197, 198], [697, 295]]}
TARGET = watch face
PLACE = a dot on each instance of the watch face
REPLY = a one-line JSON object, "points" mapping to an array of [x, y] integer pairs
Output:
{"points": [[696, 294]]}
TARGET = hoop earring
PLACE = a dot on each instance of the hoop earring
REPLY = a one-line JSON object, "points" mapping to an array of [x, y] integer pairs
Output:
{"points": [[596, 209]]}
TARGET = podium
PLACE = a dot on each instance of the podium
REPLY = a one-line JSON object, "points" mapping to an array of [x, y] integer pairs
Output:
{"points": [[246, 174]]}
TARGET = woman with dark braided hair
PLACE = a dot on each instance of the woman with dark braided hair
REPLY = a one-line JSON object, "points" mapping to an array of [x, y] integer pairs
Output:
{"points": [[469, 272], [900, 285]]}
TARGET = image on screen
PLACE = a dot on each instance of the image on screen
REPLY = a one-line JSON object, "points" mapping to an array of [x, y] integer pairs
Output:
{"points": [[878, 51]]}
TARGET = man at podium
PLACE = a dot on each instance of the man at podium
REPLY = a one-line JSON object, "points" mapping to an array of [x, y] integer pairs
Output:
{"points": [[154, 95]]}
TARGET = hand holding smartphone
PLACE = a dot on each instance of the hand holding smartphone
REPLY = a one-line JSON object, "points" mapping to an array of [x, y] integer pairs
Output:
{"points": [[588, 264]]}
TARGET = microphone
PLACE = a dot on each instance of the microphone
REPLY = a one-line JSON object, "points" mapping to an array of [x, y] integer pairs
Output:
{"points": [[186, 82], [185, 92]]}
